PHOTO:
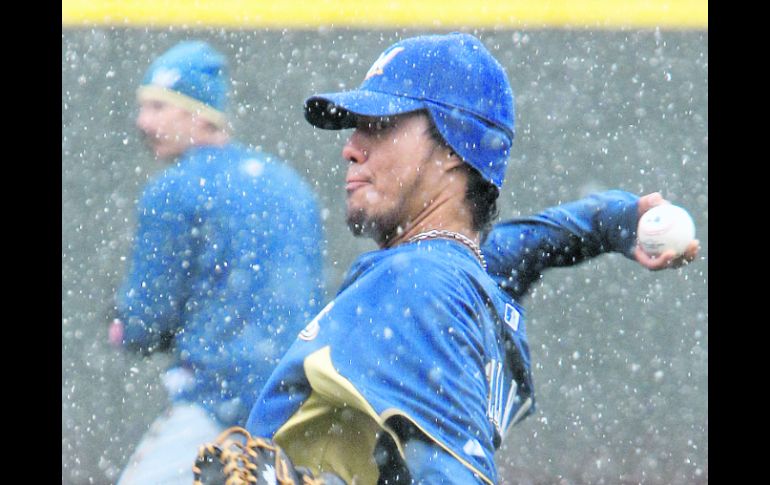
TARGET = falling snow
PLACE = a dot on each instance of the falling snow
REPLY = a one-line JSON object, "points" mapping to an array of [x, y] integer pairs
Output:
{"points": [[620, 354]]}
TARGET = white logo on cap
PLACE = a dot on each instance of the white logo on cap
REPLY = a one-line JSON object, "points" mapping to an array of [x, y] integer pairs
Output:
{"points": [[165, 77], [381, 62]]}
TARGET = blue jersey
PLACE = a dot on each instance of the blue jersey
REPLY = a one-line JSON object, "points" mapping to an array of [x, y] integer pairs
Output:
{"points": [[420, 334], [227, 262], [420, 337]]}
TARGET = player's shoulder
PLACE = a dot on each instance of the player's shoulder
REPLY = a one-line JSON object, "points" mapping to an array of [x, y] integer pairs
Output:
{"points": [[424, 254], [270, 171], [450, 266], [221, 157], [441, 254], [438, 263]]}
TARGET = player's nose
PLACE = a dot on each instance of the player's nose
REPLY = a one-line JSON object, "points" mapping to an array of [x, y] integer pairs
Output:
{"points": [[143, 120], [353, 151]]}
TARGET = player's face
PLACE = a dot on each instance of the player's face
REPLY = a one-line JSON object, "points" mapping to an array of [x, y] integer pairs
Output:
{"points": [[167, 129], [388, 179]]}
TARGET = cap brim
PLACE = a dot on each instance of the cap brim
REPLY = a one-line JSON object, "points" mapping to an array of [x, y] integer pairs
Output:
{"points": [[336, 111]]}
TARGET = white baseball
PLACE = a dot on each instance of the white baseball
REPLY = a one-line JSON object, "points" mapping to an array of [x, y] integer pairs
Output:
{"points": [[665, 227]]}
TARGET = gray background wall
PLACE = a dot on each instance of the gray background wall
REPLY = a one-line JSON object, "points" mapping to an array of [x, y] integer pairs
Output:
{"points": [[621, 354]]}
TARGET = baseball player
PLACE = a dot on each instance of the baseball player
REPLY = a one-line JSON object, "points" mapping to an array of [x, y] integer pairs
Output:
{"points": [[226, 266], [420, 364]]}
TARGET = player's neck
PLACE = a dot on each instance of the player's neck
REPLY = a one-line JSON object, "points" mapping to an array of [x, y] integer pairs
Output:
{"points": [[446, 214]]}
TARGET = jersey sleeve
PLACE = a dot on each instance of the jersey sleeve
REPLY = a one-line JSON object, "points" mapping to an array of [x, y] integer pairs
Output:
{"points": [[520, 249], [152, 296]]}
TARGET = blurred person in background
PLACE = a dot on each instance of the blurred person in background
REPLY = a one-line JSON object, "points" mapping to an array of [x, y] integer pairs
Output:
{"points": [[226, 266]]}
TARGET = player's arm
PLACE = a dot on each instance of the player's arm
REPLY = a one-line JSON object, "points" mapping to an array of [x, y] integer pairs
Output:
{"points": [[150, 300], [519, 250]]}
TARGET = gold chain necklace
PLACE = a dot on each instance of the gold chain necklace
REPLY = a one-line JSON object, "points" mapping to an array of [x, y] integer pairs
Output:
{"points": [[439, 234]]}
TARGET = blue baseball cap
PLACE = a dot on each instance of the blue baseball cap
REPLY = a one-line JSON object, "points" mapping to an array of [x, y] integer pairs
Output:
{"points": [[454, 77], [192, 75]]}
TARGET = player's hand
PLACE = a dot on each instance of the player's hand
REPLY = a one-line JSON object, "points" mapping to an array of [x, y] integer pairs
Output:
{"points": [[115, 333], [668, 259]]}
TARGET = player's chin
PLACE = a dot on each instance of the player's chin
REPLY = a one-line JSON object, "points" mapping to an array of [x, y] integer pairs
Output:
{"points": [[356, 206], [164, 152], [357, 221], [362, 223], [156, 147]]}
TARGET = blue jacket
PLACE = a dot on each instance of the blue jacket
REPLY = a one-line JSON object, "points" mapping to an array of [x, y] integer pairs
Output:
{"points": [[432, 332], [420, 337], [227, 265]]}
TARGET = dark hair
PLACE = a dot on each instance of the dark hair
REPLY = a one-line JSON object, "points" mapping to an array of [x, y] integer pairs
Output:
{"points": [[481, 194]]}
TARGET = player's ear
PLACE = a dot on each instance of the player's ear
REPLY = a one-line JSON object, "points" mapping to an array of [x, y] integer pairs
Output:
{"points": [[450, 160]]}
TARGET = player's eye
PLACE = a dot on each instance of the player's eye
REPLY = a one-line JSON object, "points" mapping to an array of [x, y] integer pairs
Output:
{"points": [[383, 124], [377, 125], [155, 105]]}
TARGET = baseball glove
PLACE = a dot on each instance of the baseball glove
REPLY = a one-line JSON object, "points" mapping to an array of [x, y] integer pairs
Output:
{"points": [[237, 458]]}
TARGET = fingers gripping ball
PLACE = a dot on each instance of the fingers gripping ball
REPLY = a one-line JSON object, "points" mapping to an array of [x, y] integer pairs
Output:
{"points": [[237, 458], [665, 227]]}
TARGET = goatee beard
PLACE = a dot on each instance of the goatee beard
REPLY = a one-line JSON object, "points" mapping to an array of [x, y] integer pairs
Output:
{"points": [[362, 226], [359, 225]]}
